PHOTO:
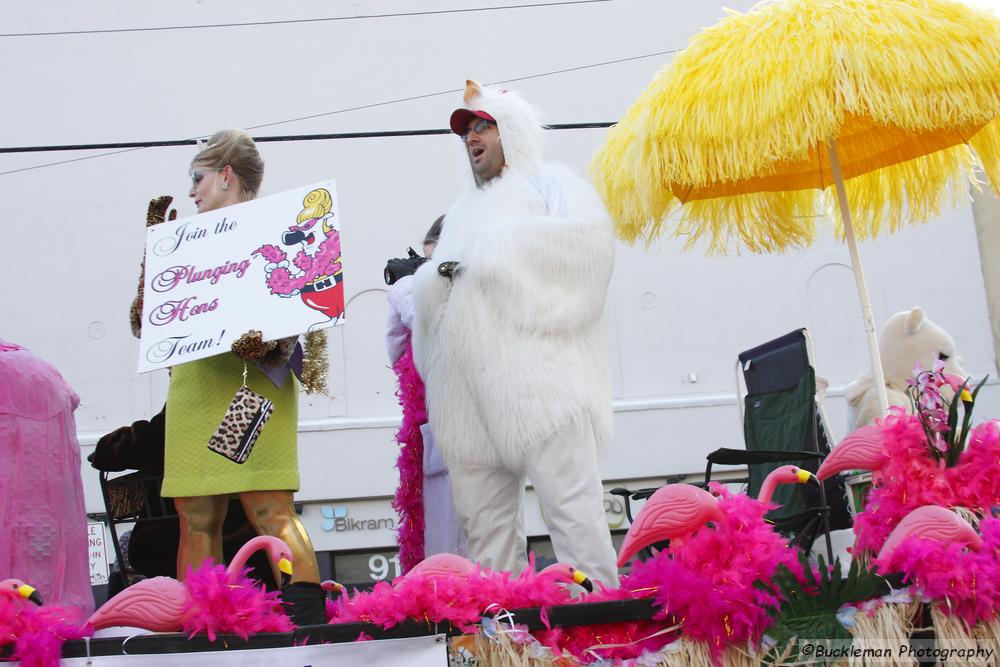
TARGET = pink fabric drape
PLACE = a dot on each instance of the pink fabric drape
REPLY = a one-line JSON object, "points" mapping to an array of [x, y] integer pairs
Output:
{"points": [[42, 515]]}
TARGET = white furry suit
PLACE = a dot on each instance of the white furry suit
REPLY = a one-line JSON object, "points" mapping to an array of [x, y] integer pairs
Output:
{"points": [[513, 351]]}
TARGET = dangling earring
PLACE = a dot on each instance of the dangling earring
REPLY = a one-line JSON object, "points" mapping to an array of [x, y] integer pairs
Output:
{"points": [[225, 186]]}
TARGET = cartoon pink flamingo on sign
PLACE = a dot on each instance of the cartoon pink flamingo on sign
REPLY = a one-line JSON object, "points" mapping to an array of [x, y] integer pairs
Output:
{"points": [[318, 280]]}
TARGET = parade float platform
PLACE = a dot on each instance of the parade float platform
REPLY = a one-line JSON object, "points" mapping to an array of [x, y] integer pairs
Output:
{"points": [[430, 643], [531, 619]]}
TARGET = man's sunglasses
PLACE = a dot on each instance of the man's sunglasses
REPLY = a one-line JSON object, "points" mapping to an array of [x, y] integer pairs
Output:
{"points": [[478, 128]]}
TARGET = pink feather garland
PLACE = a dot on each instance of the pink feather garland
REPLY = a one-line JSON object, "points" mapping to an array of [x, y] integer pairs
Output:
{"points": [[36, 634], [911, 477], [409, 499], [219, 605], [609, 641], [460, 600], [966, 581], [463, 601], [976, 478], [708, 581]]}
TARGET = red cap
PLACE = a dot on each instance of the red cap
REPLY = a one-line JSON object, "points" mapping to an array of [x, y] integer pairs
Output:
{"points": [[460, 119]]}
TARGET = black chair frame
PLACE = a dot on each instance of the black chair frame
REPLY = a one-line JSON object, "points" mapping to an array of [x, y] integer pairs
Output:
{"points": [[132, 498]]}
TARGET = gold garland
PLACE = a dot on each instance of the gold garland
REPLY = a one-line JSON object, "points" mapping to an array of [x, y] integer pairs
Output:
{"points": [[315, 363]]}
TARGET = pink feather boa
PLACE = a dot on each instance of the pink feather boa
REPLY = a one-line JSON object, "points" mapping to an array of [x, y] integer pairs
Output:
{"points": [[219, 605], [610, 641], [325, 262], [967, 581], [409, 499], [976, 478], [462, 601], [37, 633], [708, 579], [465, 601], [911, 477]]}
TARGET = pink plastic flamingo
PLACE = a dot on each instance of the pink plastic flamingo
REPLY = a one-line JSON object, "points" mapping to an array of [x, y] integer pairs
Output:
{"points": [[12, 589], [932, 522], [331, 586], [452, 565], [443, 565], [956, 382], [859, 450], [677, 510], [566, 573], [30, 634], [673, 511], [782, 475], [157, 604]]}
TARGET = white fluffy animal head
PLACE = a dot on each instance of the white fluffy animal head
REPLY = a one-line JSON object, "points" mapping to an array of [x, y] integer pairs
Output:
{"points": [[909, 337], [517, 121]]}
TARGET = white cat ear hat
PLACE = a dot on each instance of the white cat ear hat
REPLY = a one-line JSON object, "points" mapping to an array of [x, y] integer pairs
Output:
{"points": [[517, 121]]}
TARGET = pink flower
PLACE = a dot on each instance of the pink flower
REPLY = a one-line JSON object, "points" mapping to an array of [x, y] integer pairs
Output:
{"points": [[930, 399]]}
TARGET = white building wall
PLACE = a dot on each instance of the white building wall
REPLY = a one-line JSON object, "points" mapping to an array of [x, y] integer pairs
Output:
{"points": [[72, 233]]}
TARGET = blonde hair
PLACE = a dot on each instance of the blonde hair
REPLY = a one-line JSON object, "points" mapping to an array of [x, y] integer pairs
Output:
{"points": [[316, 204], [237, 149]]}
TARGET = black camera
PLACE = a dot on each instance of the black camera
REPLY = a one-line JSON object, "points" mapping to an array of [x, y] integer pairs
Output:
{"points": [[398, 267]]}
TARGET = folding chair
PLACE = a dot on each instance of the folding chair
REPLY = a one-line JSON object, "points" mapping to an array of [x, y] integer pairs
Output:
{"points": [[783, 423], [133, 498]]}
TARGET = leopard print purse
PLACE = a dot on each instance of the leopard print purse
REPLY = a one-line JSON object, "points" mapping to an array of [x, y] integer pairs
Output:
{"points": [[242, 424]]}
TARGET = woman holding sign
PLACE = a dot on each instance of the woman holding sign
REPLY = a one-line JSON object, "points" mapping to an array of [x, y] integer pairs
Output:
{"points": [[228, 170]]}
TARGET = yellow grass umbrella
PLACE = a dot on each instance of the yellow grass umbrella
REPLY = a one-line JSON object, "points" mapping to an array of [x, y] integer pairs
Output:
{"points": [[889, 104]]}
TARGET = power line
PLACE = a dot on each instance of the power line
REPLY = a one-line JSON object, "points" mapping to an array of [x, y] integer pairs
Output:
{"points": [[75, 159], [327, 19], [458, 90], [133, 146]]}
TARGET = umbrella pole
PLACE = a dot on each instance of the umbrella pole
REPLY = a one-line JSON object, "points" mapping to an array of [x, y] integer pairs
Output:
{"points": [[859, 278]]}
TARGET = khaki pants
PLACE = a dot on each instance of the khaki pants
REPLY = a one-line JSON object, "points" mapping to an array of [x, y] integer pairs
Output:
{"points": [[566, 478]]}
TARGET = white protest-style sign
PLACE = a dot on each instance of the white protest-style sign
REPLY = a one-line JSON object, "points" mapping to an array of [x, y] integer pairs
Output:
{"points": [[271, 264], [97, 552], [430, 651]]}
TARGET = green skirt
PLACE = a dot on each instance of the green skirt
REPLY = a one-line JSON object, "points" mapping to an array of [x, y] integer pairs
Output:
{"points": [[200, 393]]}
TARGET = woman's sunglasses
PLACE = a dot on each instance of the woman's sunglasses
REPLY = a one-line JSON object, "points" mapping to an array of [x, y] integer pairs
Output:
{"points": [[198, 174]]}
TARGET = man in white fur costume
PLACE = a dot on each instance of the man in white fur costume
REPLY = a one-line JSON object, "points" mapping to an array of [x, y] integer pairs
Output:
{"points": [[510, 338]]}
